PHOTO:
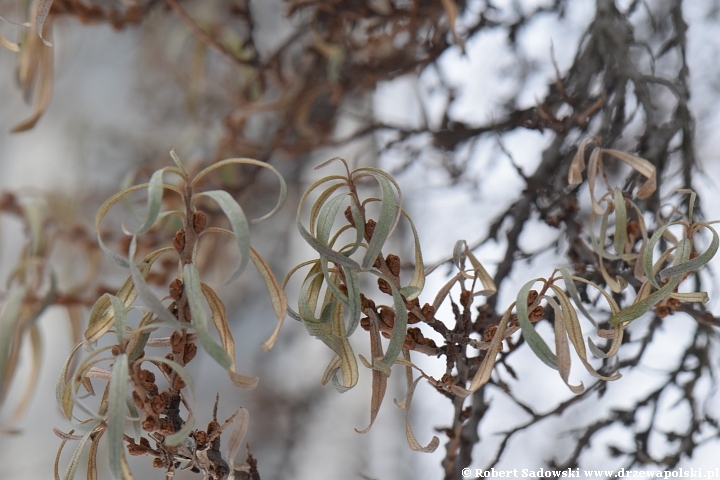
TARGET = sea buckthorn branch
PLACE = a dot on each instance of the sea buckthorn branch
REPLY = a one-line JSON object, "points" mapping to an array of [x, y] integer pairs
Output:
{"points": [[473, 343], [165, 416]]}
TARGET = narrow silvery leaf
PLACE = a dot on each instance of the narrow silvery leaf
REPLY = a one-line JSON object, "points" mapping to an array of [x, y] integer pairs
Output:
{"points": [[102, 316], [640, 307], [325, 221], [578, 162], [693, 263], [12, 46], [640, 165], [325, 251], [248, 161], [154, 201], [459, 254], [385, 223], [412, 441], [277, 295], [241, 421], [8, 320], [34, 213], [120, 317], [570, 286], [614, 347], [321, 199], [354, 305], [348, 366], [534, 340], [648, 255], [620, 222], [318, 246], [191, 281], [574, 332], [489, 287], [562, 348], [315, 211], [412, 290], [75, 459], [379, 377], [239, 224], [42, 12], [136, 346], [482, 376], [92, 456], [60, 383], [119, 259], [116, 415], [359, 226], [699, 297], [137, 427], [144, 291], [219, 316], [179, 164], [33, 376], [309, 292]]}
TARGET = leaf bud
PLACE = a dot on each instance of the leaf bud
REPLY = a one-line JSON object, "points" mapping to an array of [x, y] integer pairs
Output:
{"points": [[370, 229], [428, 311], [179, 241], [176, 289], [365, 323], [190, 352], [384, 286], [176, 341], [489, 333], [178, 383], [674, 303], [536, 314], [532, 296], [158, 404], [150, 424], [387, 315], [199, 221], [393, 263], [137, 400]]}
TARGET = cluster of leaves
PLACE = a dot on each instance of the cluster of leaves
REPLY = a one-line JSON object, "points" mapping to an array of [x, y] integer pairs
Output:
{"points": [[166, 415], [39, 279], [333, 313]]}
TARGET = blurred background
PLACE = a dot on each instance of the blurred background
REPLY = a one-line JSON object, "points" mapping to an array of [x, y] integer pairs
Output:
{"points": [[475, 106]]}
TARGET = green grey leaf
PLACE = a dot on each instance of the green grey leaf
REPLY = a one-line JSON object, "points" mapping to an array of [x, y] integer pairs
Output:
{"points": [[8, 321], [385, 223], [638, 309], [694, 263], [620, 222], [75, 459], [533, 339], [116, 415], [144, 291], [120, 317], [191, 278], [239, 225]]}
